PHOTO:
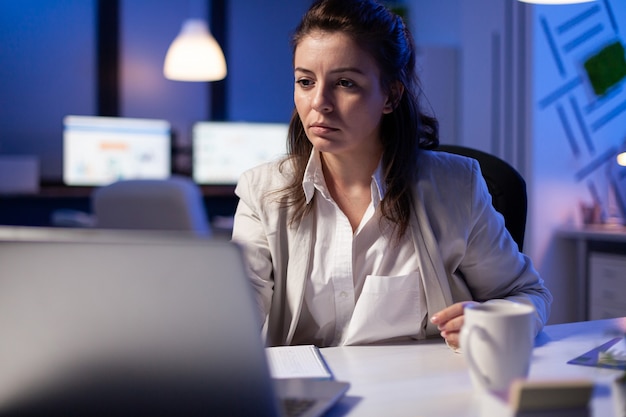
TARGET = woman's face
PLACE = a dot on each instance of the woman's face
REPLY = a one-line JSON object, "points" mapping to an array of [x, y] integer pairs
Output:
{"points": [[338, 94]]}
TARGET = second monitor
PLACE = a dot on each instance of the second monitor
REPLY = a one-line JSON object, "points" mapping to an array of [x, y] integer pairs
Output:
{"points": [[222, 151], [100, 150]]}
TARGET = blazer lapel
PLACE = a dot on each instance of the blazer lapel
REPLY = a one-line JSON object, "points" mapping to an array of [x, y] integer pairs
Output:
{"points": [[434, 278], [298, 271]]}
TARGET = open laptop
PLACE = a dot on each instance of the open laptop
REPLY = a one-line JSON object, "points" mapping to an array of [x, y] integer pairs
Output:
{"points": [[133, 324]]}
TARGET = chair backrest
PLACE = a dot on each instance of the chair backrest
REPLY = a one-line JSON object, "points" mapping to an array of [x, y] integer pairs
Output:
{"points": [[175, 203], [506, 186]]}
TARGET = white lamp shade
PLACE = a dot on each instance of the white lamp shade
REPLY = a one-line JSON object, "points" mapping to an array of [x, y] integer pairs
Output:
{"points": [[194, 55], [556, 1]]}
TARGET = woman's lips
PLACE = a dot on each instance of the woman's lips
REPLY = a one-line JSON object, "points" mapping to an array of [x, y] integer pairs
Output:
{"points": [[320, 129]]}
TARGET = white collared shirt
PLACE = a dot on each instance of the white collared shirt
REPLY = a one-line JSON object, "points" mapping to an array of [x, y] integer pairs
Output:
{"points": [[364, 286]]}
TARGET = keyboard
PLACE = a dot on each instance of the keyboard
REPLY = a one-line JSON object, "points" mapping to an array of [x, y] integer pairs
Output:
{"points": [[295, 407]]}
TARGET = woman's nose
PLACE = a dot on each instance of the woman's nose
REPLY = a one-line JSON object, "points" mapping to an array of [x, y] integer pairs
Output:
{"points": [[322, 100]]}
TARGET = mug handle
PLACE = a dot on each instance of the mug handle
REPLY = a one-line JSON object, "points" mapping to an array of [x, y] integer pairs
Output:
{"points": [[482, 377]]}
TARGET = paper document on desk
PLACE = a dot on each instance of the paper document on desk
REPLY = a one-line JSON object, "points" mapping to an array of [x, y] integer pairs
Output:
{"points": [[611, 354], [304, 361], [617, 351]]}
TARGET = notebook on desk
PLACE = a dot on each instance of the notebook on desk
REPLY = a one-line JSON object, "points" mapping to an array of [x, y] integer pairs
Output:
{"points": [[133, 327]]}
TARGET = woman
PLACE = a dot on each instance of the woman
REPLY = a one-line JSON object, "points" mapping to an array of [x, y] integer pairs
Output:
{"points": [[362, 234]]}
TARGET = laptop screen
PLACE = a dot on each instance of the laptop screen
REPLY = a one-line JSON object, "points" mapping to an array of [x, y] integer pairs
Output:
{"points": [[128, 324], [135, 323], [222, 151], [100, 150]]}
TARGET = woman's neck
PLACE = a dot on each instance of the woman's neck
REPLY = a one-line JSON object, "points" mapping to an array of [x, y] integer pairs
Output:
{"points": [[349, 183], [349, 170]]}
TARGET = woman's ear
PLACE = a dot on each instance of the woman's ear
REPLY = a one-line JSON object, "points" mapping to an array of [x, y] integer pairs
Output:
{"points": [[396, 89]]}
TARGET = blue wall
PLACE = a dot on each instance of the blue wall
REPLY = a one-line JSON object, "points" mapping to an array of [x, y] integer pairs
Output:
{"points": [[47, 70], [260, 82]]}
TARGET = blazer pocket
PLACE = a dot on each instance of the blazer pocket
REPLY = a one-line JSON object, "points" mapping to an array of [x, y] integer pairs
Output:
{"points": [[388, 307]]}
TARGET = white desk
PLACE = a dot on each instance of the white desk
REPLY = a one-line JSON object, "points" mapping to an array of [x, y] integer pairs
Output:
{"points": [[424, 379]]}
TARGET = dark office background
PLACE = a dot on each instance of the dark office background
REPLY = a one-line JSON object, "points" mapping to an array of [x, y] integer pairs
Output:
{"points": [[55, 62]]}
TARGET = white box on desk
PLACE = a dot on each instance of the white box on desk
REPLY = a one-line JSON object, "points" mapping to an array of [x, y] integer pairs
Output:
{"points": [[567, 398]]}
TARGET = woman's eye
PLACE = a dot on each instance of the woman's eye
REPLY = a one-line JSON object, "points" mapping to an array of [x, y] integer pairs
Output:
{"points": [[345, 83], [304, 82]]}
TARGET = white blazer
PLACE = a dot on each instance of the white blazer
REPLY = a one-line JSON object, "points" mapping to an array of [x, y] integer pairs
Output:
{"points": [[463, 248]]}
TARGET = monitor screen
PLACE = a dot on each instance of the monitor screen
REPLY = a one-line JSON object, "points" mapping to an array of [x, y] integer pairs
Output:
{"points": [[222, 151], [100, 150]]}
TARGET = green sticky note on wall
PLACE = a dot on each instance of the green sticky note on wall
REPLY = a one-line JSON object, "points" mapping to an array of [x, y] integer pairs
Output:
{"points": [[606, 68]]}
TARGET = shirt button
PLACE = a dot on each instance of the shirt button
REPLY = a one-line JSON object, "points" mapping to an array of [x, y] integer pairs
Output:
{"points": [[343, 294]]}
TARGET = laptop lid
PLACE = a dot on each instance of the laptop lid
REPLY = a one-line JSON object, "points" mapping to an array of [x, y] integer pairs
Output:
{"points": [[130, 326]]}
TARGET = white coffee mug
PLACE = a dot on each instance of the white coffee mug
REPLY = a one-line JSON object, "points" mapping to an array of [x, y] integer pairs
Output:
{"points": [[497, 340]]}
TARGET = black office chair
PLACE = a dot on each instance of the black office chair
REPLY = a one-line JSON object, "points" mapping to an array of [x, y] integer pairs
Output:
{"points": [[506, 186]]}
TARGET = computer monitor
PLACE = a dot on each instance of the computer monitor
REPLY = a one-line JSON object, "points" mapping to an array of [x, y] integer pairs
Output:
{"points": [[100, 150], [222, 151]]}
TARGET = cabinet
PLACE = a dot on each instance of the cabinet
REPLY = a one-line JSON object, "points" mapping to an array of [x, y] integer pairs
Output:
{"points": [[594, 261], [607, 285]]}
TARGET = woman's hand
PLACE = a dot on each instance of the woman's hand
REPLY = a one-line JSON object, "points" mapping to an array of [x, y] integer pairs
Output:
{"points": [[449, 322]]}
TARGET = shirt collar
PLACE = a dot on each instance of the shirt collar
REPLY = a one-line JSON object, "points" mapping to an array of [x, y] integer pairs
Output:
{"points": [[379, 188], [314, 179]]}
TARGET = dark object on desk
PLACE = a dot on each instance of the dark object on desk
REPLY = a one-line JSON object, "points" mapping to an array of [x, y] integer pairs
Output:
{"points": [[595, 357], [506, 186]]}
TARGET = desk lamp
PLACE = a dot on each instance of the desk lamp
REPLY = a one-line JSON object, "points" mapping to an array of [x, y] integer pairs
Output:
{"points": [[194, 55]]}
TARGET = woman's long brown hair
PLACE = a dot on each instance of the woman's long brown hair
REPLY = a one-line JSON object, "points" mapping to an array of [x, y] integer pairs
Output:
{"points": [[404, 131]]}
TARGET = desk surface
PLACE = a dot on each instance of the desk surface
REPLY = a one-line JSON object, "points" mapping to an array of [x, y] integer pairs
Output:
{"points": [[428, 379], [594, 232]]}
